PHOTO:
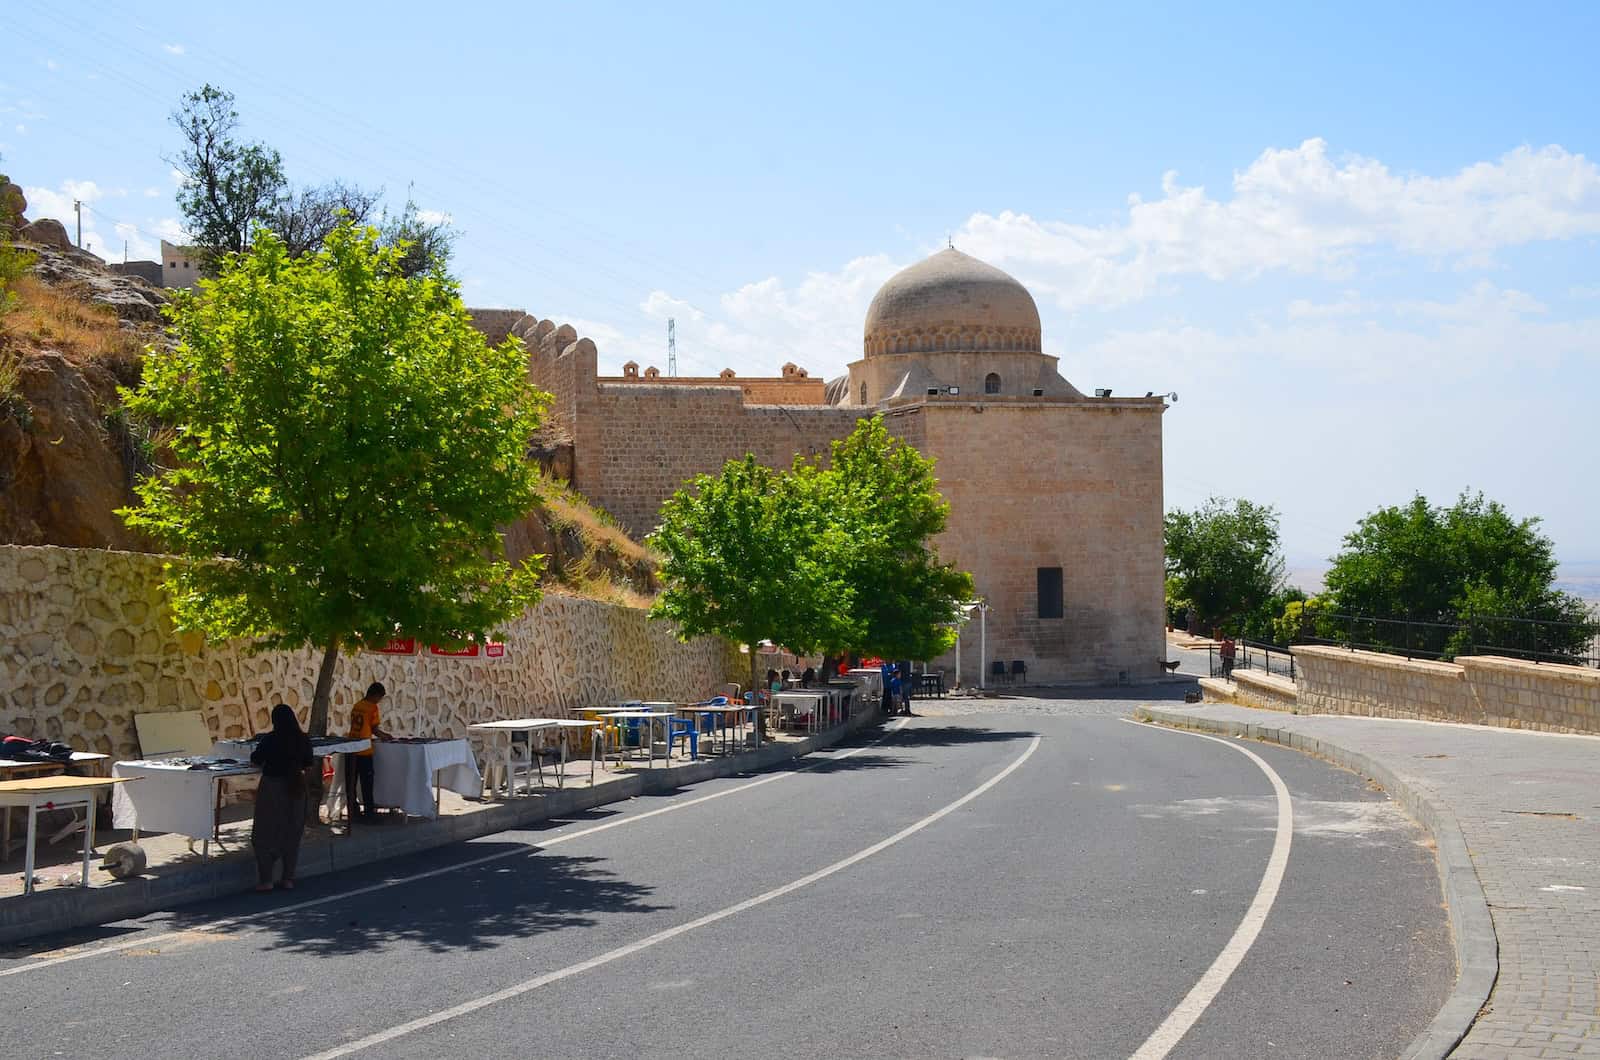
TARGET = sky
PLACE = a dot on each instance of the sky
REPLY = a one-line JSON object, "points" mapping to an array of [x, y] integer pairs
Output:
{"points": [[1359, 243]]}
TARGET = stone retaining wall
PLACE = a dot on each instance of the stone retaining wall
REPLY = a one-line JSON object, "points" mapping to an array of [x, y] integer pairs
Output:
{"points": [[1265, 691], [86, 642], [1481, 689]]}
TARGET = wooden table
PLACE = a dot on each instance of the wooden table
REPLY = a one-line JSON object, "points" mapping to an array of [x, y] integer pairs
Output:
{"points": [[11, 768], [53, 793]]}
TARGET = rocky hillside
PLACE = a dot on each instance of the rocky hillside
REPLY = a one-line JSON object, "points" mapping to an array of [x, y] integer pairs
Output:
{"points": [[69, 456]]}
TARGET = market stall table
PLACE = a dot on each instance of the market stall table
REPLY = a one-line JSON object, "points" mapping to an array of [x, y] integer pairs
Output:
{"points": [[509, 728], [738, 712], [409, 774], [54, 793], [335, 747], [13, 768], [595, 744], [651, 717], [180, 795]]}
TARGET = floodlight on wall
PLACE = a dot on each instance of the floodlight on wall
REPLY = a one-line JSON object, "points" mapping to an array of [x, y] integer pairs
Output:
{"points": [[953, 391], [933, 391], [1102, 392]]}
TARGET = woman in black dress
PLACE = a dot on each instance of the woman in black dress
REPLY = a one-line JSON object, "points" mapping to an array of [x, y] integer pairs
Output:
{"points": [[284, 754]]}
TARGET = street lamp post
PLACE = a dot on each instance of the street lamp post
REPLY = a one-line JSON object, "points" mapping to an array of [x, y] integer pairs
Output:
{"points": [[982, 608]]}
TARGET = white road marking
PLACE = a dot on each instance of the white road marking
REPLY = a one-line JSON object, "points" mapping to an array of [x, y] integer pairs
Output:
{"points": [[228, 923], [659, 937], [1200, 996]]}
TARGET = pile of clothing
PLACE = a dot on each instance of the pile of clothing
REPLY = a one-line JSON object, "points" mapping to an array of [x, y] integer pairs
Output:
{"points": [[24, 749]]}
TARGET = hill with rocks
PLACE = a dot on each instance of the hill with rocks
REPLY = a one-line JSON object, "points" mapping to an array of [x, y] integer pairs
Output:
{"points": [[70, 455]]}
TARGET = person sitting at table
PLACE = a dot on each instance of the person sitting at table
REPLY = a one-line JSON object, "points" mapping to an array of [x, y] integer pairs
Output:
{"points": [[284, 754], [809, 677], [365, 724]]}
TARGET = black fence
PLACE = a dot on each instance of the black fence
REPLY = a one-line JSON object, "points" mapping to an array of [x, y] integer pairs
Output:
{"points": [[1572, 643], [1253, 655]]}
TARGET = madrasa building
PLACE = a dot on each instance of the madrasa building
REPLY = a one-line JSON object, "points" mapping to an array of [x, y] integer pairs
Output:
{"points": [[1055, 496]]}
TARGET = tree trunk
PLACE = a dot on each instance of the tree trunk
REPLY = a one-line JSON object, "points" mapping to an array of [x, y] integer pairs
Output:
{"points": [[317, 725]]}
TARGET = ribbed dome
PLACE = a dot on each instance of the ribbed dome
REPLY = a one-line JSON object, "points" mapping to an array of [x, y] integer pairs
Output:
{"points": [[950, 302]]}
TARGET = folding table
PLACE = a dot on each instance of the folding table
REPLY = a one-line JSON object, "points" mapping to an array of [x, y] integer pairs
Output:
{"points": [[180, 795], [53, 793], [335, 747], [510, 727]]}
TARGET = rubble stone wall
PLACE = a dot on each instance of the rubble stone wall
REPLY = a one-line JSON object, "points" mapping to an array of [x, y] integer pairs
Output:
{"points": [[87, 642]]}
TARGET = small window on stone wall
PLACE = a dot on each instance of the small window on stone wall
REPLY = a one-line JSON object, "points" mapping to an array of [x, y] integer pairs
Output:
{"points": [[991, 383], [1050, 592]]}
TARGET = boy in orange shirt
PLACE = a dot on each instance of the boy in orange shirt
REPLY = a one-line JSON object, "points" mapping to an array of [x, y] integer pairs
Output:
{"points": [[365, 724]]}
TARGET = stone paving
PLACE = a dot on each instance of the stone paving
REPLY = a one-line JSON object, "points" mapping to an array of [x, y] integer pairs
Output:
{"points": [[1527, 805]]}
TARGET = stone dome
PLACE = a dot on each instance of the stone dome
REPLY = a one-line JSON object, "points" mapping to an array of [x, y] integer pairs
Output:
{"points": [[951, 302]]}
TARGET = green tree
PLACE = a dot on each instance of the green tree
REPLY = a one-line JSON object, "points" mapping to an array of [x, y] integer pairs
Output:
{"points": [[229, 188], [883, 495], [1470, 562], [1223, 559], [751, 554], [346, 445]]}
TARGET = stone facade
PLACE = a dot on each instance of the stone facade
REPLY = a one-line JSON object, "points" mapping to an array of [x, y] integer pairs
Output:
{"points": [[1042, 481], [1480, 689], [1074, 485], [86, 642]]}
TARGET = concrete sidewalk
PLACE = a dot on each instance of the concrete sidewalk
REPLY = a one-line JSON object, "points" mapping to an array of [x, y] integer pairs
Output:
{"points": [[1514, 815], [179, 879]]}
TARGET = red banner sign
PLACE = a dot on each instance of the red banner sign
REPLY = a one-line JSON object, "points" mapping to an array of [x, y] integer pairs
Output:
{"points": [[494, 650], [470, 651], [399, 646]]}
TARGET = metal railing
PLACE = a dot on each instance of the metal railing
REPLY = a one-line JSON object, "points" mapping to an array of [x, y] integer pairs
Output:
{"points": [[1253, 655], [1536, 640]]}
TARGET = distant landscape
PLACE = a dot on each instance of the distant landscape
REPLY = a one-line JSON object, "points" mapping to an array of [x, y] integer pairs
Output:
{"points": [[1581, 578]]}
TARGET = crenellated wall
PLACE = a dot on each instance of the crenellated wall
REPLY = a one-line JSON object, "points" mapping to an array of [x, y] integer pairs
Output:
{"points": [[86, 642]]}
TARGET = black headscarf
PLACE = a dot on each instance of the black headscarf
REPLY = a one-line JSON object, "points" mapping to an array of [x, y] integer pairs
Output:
{"points": [[285, 750]]}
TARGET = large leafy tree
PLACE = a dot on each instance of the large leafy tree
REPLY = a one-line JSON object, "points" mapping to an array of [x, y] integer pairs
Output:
{"points": [[229, 186], [751, 554], [1223, 560], [883, 494], [1472, 562], [232, 187], [346, 446]]}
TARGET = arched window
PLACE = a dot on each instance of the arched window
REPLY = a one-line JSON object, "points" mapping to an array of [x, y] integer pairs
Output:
{"points": [[863, 400], [991, 383]]}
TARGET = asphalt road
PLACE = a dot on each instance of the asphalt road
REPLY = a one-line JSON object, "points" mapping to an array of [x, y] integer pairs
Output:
{"points": [[1046, 880]]}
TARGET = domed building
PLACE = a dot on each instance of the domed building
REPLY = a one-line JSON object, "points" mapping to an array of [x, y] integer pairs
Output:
{"points": [[1055, 497]]}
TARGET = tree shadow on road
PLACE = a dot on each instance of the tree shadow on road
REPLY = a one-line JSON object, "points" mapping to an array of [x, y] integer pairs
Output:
{"points": [[525, 893], [952, 736]]}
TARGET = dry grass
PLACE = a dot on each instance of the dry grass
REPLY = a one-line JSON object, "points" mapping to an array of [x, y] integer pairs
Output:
{"points": [[568, 508], [58, 319]]}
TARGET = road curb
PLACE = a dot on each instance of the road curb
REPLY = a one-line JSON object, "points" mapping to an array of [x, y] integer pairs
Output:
{"points": [[24, 917], [1477, 950]]}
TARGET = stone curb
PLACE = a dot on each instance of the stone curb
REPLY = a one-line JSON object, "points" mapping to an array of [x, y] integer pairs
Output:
{"points": [[66, 908], [1477, 950]]}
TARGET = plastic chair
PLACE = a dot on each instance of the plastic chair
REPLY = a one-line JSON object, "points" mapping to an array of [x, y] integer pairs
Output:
{"points": [[997, 670], [686, 729], [1019, 670]]}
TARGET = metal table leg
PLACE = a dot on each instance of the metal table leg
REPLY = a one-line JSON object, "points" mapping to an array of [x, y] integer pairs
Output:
{"points": [[27, 863], [88, 841]]}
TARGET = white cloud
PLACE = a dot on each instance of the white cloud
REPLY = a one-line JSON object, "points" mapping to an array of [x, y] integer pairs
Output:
{"points": [[172, 49], [662, 305], [433, 217], [51, 64], [152, 193], [104, 235], [1296, 210], [1349, 304], [22, 129]]}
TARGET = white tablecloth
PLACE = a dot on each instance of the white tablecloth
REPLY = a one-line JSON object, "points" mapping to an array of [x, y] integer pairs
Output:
{"points": [[404, 773], [168, 798], [328, 745]]}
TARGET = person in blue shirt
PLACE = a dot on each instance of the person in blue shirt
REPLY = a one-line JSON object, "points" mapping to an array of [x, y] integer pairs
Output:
{"points": [[891, 695]]}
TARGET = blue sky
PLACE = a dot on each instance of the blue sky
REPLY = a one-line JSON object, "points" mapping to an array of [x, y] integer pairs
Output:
{"points": [[1360, 243]]}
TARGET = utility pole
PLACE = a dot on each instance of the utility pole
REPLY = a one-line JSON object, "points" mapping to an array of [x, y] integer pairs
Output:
{"points": [[77, 208], [672, 347]]}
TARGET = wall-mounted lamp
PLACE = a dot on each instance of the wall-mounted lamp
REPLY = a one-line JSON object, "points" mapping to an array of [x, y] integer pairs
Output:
{"points": [[1102, 392]]}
